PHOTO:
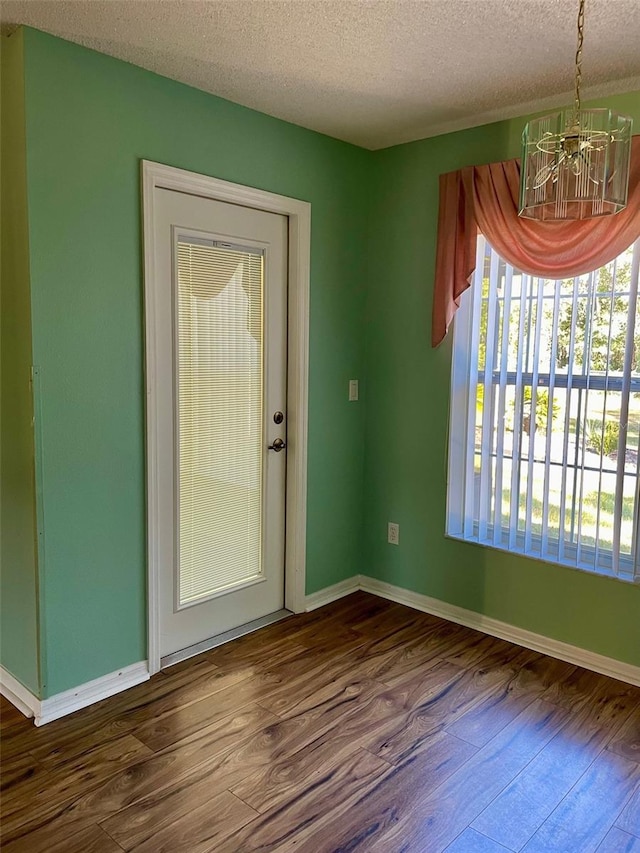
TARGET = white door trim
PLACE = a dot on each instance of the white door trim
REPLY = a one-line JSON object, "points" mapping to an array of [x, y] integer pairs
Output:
{"points": [[155, 175]]}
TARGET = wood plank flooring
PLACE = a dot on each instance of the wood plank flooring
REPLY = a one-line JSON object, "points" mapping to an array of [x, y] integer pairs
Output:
{"points": [[363, 726]]}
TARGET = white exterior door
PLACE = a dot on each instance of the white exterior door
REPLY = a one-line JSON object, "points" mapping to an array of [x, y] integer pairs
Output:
{"points": [[221, 320]]}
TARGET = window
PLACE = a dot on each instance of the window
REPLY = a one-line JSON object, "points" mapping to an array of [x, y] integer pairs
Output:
{"points": [[219, 384], [544, 442]]}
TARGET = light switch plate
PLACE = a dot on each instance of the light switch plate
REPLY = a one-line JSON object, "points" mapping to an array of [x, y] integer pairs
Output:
{"points": [[353, 390]]}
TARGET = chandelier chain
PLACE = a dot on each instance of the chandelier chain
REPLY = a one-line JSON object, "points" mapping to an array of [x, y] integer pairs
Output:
{"points": [[579, 55]]}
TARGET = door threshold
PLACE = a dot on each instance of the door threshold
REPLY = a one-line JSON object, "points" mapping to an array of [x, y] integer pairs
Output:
{"points": [[226, 637]]}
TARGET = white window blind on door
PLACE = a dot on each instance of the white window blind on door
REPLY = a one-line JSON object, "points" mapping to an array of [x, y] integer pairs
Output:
{"points": [[219, 394]]}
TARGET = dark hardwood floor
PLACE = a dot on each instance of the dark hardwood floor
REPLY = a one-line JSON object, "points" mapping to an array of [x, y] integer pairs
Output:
{"points": [[363, 726]]}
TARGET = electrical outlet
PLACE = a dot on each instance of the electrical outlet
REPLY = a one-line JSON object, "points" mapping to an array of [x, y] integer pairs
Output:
{"points": [[353, 390], [393, 533]]}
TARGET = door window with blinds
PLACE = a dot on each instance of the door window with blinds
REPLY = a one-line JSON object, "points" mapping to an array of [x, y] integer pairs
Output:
{"points": [[544, 445], [219, 421]]}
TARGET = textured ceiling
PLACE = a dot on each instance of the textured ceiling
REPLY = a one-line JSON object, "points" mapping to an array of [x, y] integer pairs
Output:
{"points": [[373, 72]]}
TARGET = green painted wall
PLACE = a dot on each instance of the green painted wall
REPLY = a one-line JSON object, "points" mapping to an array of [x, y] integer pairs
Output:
{"points": [[407, 414], [90, 120], [18, 582]]}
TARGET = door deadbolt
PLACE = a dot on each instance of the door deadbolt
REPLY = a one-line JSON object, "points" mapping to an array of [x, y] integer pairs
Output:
{"points": [[278, 418]]}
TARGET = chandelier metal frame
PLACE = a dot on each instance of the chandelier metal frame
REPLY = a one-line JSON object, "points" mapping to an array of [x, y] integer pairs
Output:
{"points": [[575, 163]]}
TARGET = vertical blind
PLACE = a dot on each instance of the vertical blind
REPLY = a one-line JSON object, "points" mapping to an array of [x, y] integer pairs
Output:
{"points": [[219, 377], [545, 417]]}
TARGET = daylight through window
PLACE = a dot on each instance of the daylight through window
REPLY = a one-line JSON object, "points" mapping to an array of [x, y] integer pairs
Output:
{"points": [[545, 414]]}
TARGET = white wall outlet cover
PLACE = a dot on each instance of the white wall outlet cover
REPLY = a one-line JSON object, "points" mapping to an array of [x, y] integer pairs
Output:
{"points": [[353, 390], [393, 533]]}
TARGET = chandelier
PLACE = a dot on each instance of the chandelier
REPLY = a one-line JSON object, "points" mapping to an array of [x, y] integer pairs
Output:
{"points": [[575, 163]]}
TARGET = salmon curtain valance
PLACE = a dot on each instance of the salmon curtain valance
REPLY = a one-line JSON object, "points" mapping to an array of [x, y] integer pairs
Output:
{"points": [[485, 198]]}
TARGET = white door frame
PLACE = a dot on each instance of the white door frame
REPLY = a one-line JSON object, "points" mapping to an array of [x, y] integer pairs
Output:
{"points": [[155, 175]]}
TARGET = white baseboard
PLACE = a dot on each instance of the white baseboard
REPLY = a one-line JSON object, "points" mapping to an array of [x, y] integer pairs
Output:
{"points": [[332, 593], [46, 710], [19, 696], [537, 642]]}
